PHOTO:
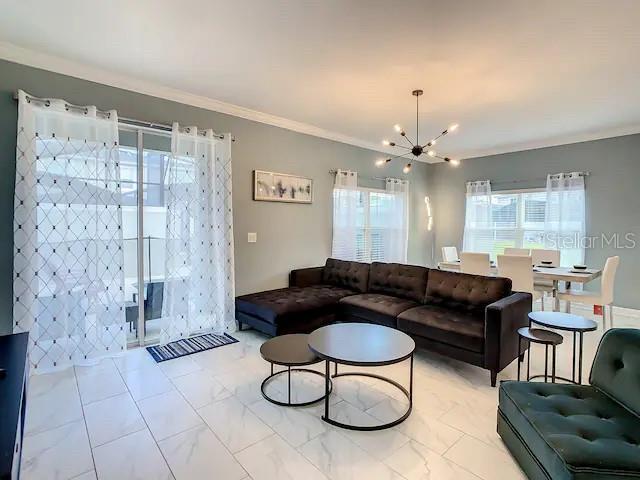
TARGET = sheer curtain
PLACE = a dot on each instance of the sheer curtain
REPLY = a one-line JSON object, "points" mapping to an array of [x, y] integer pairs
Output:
{"points": [[565, 217], [347, 221], [393, 216], [68, 258], [478, 225], [199, 286]]}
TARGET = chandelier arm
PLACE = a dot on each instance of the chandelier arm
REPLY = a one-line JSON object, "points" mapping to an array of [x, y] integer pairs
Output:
{"points": [[407, 139], [400, 156], [402, 146]]}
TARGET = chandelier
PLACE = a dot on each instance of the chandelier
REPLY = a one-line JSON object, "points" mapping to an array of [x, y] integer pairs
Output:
{"points": [[415, 148]]}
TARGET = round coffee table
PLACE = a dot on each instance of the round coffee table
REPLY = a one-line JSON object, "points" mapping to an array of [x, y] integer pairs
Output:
{"points": [[363, 345], [570, 323], [290, 351]]}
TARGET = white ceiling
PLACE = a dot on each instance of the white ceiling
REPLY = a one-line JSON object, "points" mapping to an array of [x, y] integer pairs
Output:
{"points": [[514, 74]]}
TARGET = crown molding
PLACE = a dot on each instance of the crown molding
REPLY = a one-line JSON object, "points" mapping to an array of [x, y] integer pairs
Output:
{"points": [[31, 58], [553, 142]]}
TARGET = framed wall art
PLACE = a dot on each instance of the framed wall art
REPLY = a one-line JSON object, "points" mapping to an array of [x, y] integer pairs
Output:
{"points": [[281, 187]]}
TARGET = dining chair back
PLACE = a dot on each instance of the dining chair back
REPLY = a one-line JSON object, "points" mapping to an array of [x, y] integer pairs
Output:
{"points": [[539, 255], [518, 269], [521, 252], [475, 263], [450, 254], [608, 279]]}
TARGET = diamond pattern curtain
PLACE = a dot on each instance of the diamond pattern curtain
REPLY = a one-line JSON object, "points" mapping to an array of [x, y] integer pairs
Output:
{"points": [[68, 258], [199, 286]]}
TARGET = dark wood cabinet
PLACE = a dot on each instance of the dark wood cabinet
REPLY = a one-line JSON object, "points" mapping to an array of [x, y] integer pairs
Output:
{"points": [[14, 373]]}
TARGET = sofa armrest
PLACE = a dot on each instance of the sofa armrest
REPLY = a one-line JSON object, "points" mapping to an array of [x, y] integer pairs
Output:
{"points": [[502, 321], [305, 277]]}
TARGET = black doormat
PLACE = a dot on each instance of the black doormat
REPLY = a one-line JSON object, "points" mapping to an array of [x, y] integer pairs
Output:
{"points": [[180, 348]]}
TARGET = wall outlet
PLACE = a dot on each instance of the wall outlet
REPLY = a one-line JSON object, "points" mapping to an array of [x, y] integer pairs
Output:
{"points": [[252, 237]]}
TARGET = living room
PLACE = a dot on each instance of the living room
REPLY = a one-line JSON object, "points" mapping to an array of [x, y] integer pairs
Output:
{"points": [[276, 240]]}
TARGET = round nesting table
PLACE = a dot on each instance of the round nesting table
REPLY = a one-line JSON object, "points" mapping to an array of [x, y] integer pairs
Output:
{"points": [[290, 351], [363, 345], [570, 323], [543, 337]]}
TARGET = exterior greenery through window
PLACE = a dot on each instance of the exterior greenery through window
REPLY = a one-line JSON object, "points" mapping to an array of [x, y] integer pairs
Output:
{"points": [[517, 219]]}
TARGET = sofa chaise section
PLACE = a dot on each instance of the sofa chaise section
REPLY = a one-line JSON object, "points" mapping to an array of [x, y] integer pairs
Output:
{"points": [[310, 302]]}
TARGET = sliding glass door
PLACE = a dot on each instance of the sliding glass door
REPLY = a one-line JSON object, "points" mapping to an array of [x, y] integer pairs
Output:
{"points": [[143, 165]]}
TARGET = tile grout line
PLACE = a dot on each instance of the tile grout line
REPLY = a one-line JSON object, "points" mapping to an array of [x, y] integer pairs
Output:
{"points": [[84, 421], [145, 421]]}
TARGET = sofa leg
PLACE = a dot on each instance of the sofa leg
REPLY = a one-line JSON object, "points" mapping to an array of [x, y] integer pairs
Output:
{"points": [[494, 377], [521, 358], [240, 326]]}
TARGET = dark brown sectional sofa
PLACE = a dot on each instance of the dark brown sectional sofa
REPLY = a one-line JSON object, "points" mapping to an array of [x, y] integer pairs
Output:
{"points": [[468, 317]]}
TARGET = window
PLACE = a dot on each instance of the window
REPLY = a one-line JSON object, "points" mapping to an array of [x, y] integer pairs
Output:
{"points": [[369, 225], [517, 220]]}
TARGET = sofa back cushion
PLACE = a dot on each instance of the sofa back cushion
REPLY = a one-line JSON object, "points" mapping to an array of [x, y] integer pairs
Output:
{"points": [[464, 292], [351, 275], [616, 366], [395, 279]]}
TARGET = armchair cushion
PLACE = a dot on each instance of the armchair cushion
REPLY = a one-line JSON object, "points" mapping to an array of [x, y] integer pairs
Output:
{"points": [[574, 431], [616, 367]]}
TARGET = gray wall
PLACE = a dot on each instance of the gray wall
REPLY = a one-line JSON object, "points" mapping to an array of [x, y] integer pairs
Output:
{"points": [[612, 195], [289, 236]]}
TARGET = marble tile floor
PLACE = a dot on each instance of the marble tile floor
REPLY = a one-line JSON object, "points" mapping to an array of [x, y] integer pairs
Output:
{"points": [[202, 417]]}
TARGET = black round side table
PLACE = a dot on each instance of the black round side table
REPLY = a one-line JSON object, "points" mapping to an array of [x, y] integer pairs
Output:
{"points": [[546, 338], [290, 351], [570, 323]]}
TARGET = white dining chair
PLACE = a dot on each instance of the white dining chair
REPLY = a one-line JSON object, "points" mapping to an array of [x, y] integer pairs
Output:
{"points": [[450, 254], [518, 268], [521, 252], [475, 263], [539, 255], [551, 259], [604, 297]]}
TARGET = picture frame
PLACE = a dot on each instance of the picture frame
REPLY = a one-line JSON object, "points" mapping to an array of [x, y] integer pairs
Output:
{"points": [[281, 187]]}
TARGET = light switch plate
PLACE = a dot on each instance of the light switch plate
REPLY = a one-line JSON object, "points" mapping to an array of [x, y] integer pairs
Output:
{"points": [[252, 237]]}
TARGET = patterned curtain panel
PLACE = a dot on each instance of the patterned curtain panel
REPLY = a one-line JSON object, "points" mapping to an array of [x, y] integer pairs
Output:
{"points": [[68, 257], [199, 287]]}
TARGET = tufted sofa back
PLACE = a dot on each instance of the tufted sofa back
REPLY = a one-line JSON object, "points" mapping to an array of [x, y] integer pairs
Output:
{"points": [[460, 291], [351, 275], [406, 281], [617, 365]]}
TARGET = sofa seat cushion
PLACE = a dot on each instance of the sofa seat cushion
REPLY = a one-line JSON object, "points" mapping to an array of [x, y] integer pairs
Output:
{"points": [[285, 304], [376, 307], [461, 329], [574, 431]]}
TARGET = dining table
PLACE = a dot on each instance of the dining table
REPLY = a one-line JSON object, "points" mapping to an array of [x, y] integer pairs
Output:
{"points": [[541, 273]]}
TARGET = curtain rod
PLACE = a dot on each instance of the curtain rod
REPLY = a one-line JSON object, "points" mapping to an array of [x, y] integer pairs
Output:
{"points": [[531, 180], [162, 127], [382, 179]]}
